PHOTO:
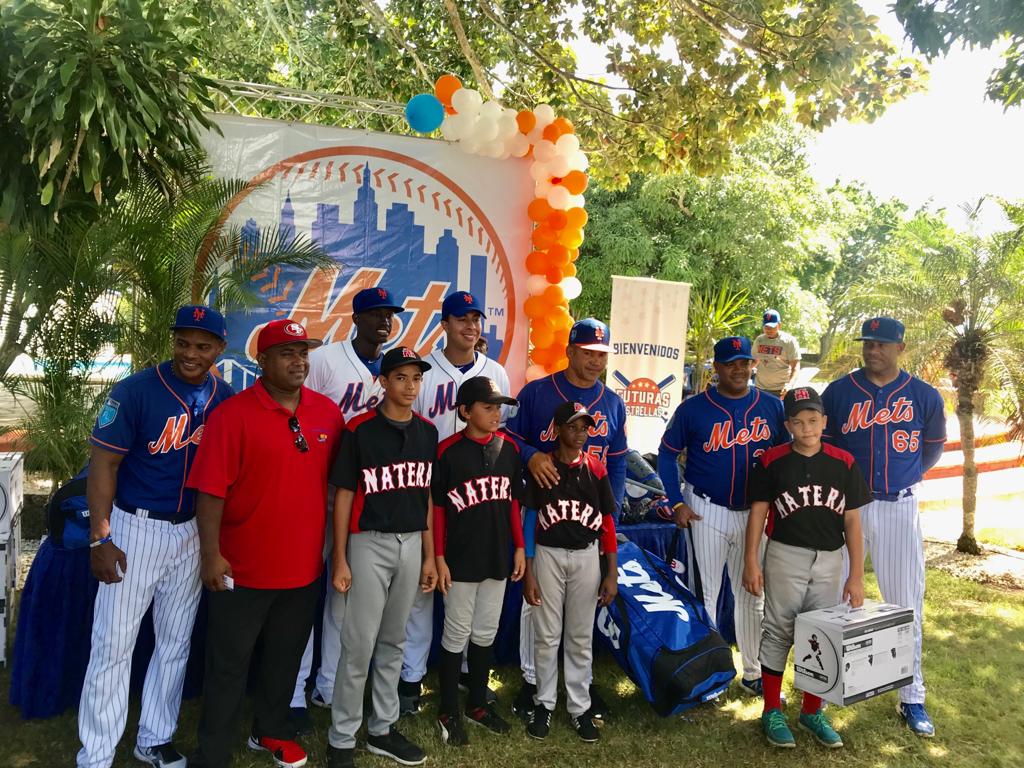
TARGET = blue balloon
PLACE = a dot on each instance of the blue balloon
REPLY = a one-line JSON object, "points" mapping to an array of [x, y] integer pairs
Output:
{"points": [[424, 113]]}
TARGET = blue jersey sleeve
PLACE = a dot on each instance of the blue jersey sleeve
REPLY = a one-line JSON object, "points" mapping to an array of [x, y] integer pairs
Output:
{"points": [[519, 426], [117, 422], [672, 444], [530, 531], [617, 450], [780, 434], [934, 437], [828, 400]]}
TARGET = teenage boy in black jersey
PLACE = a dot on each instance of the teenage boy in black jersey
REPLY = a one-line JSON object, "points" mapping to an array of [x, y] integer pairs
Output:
{"points": [[562, 527], [383, 549], [476, 489], [810, 493]]}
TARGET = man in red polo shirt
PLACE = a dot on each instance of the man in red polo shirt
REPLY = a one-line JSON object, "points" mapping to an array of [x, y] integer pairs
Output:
{"points": [[261, 476]]}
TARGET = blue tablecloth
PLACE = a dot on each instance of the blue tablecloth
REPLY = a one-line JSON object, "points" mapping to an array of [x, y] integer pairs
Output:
{"points": [[51, 647]]}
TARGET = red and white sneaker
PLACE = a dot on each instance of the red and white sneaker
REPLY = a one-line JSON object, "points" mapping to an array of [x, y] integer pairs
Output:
{"points": [[286, 754]]}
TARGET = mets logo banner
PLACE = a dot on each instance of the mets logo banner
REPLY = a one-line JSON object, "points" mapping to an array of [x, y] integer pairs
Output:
{"points": [[416, 216], [648, 326]]}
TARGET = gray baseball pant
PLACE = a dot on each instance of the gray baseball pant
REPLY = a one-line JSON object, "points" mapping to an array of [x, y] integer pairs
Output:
{"points": [[796, 579], [472, 610], [385, 579], [568, 580]]}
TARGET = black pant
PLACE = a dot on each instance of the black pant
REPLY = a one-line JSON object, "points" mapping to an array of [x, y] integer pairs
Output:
{"points": [[276, 624]]}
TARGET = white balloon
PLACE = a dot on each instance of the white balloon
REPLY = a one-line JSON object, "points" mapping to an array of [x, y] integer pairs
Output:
{"points": [[578, 161], [545, 115], [485, 130], [536, 284], [469, 144], [494, 148], [568, 144], [542, 188], [539, 171], [543, 150], [508, 127], [577, 201], [519, 145], [558, 197], [535, 372], [571, 287], [460, 125], [558, 166], [466, 101], [535, 135], [491, 110], [449, 129]]}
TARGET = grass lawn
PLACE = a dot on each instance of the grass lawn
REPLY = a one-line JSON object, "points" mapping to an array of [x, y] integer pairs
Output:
{"points": [[974, 667]]}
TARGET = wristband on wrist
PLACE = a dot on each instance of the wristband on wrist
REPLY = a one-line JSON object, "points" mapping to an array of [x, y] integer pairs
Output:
{"points": [[99, 542]]}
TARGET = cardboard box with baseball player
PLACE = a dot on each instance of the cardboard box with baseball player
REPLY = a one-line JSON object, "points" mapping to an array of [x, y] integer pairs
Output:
{"points": [[846, 655]]}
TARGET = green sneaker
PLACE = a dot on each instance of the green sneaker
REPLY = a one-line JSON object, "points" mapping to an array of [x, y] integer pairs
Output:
{"points": [[822, 729], [776, 729]]}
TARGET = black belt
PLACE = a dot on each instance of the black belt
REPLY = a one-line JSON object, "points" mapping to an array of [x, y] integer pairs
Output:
{"points": [[175, 516], [893, 496], [707, 497]]}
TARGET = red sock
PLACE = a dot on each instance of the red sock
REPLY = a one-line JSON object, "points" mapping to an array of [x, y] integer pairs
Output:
{"points": [[772, 686], [811, 704]]}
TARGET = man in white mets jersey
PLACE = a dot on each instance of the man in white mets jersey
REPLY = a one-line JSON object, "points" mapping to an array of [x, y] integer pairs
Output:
{"points": [[144, 542], [462, 317], [346, 372], [894, 424]]}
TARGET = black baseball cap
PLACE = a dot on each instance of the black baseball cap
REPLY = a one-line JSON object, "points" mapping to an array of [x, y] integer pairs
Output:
{"points": [[570, 411], [399, 356], [481, 389], [802, 399]]}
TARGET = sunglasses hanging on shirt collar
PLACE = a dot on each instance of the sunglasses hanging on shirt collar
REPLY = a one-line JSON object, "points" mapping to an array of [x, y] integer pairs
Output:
{"points": [[300, 439]]}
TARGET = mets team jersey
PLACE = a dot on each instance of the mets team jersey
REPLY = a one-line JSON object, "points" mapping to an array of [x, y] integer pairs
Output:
{"points": [[895, 432], [533, 428], [156, 420], [722, 437], [436, 401], [336, 371]]}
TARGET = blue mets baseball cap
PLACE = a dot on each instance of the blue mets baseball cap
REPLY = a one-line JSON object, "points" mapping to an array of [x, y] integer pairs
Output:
{"points": [[375, 298], [202, 318], [591, 333], [732, 348], [460, 304], [771, 318], [884, 329]]}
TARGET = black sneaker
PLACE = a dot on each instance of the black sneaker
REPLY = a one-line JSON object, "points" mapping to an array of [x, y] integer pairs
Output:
{"points": [[540, 722], [161, 756], [522, 705], [585, 728], [598, 711], [409, 698], [340, 758], [491, 694], [488, 718], [300, 720], [397, 747], [452, 732]]}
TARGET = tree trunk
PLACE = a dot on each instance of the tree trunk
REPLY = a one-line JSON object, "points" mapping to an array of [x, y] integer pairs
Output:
{"points": [[965, 415]]}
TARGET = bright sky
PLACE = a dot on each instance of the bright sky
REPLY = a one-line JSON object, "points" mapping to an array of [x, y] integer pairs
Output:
{"points": [[947, 145]]}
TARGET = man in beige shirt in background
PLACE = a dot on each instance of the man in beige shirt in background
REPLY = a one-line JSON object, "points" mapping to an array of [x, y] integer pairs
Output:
{"points": [[776, 355]]}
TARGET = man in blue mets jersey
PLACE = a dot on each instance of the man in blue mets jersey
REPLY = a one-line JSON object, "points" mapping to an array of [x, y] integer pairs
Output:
{"points": [[723, 430], [894, 424], [533, 429], [144, 541]]}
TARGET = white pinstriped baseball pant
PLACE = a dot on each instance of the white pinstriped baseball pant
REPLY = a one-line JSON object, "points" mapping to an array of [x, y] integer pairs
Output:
{"points": [[163, 569], [893, 538], [718, 543]]}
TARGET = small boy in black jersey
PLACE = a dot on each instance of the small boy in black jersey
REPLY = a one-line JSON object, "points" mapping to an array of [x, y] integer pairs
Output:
{"points": [[476, 490], [810, 493], [562, 527]]}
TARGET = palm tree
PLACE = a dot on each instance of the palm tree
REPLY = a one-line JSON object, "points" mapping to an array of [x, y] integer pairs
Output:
{"points": [[967, 298], [713, 314]]}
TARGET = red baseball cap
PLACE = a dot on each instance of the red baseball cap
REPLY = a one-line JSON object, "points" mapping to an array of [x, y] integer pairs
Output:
{"points": [[283, 331]]}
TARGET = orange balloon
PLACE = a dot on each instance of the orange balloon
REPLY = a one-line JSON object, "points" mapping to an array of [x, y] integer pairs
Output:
{"points": [[542, 355], [554, 275], [543, 237], [569, 270], [564, 125], [558, 364], [445, 87], [526, 121], [570, 238], [576, 218], [558, 256], [449, 110], [542, 336], [557, 220], [537, 262], [575, 182], [574, 253], [534, 307], [553, 295], [551, 133], [544, 321], [539, 210], [561, 337]]}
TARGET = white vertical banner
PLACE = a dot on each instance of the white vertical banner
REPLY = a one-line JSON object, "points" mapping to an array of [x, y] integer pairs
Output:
{"points": [[645, 368]]}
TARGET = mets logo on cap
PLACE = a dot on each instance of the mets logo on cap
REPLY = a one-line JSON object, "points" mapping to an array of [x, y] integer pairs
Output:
{"points": [[874, 324], [737, 344], [198, 313]]}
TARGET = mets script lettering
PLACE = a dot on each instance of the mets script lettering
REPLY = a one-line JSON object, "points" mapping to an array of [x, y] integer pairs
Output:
{"points": [[722, 436], [173, 438], [861, 417]]}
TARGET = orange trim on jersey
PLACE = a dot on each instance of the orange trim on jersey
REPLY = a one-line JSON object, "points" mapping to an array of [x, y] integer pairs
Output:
{"points": [[188, 428], [99, 443], [589, 405]]}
